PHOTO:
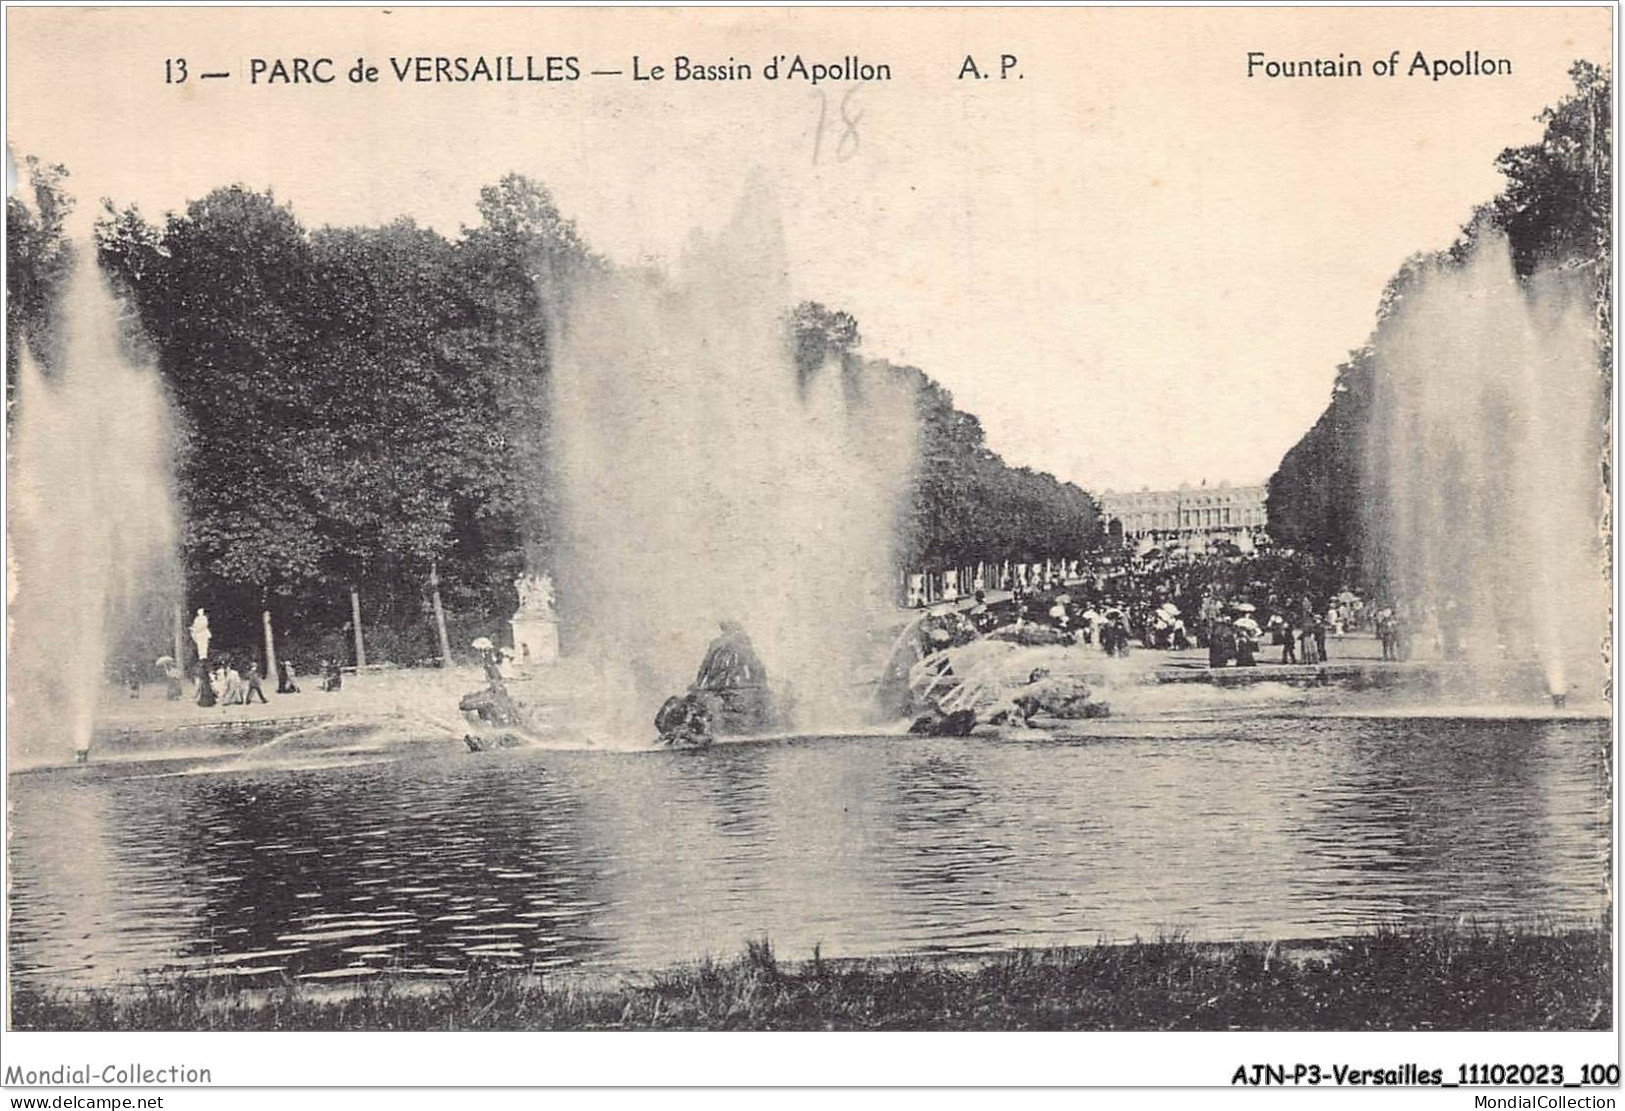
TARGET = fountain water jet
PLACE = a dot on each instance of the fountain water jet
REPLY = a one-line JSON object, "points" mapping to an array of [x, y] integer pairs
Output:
{"points": [[704, 480], [92, 542], [1488, 417]]}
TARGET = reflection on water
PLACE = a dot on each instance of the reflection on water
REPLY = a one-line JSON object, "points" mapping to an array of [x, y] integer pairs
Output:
{"points": [[1235, 829]]}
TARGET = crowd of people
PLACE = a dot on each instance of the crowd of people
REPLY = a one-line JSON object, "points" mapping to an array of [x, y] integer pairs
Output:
{"points": [[1242, 608], [221, 682], [226, 679]]}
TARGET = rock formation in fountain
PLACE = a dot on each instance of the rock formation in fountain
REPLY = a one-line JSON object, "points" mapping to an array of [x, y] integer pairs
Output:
{"points": [[704, 481], [1486, 467], [92, 540]]}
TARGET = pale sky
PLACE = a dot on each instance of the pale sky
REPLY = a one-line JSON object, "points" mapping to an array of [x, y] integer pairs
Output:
{"points": [[1135, 264]]}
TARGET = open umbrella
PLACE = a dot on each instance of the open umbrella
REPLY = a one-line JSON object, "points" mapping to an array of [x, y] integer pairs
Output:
{"points": [[1243, 607], [482, 643], [1168, 608], [1248, 625]]}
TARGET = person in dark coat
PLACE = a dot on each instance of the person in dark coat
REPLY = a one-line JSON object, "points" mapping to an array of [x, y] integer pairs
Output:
{"points": [[253, 684], [1221, 643], [1246, 649], [1120, 637], [205, 689]]}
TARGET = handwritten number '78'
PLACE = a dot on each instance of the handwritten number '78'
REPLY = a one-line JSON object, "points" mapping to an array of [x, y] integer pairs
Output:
{"points": [[847, 145]]}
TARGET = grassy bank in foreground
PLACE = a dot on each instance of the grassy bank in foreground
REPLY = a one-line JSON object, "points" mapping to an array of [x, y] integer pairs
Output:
{"points": [[1448, 979]]}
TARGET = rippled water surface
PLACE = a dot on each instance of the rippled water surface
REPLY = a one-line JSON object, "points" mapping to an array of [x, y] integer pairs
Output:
{"points": [[430, 859]]}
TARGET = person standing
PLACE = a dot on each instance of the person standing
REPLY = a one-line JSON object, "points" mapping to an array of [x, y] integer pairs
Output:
{"points": [[1090, 624], [1246, 647], [1306, 639], [205, 685], [254, 685], [1289, 654], [1121, 636]]}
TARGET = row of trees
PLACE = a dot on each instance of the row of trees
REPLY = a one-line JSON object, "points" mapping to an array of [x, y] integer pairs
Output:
{"points": [[369, 407], [968, 504], [1554, 211], [358, 407]]}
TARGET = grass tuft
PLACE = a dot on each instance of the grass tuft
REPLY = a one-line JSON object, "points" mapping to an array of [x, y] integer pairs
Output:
{"points": [[1462, 977]]}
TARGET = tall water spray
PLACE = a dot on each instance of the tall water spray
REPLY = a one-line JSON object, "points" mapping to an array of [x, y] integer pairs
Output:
{"points": [[92, 540], [703, 480], [1485, 460]]}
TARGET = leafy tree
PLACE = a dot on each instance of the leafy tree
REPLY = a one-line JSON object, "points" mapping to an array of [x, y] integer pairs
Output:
{"points": [[362, 405], [969, 506], [1555, 212], [513, 272], [819, 337], [387, 441], [225, 293], [38, 258], [1556, 206]]}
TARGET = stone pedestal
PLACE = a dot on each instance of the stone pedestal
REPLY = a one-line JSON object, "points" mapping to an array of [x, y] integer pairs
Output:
{"points": [[535, 639]]}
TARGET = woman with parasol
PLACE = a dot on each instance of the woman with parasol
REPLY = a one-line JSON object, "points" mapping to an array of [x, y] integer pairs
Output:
{"points": [[173, 690]]}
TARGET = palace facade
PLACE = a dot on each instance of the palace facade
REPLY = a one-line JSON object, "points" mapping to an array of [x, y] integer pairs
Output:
{"points": [[1193, 516]]}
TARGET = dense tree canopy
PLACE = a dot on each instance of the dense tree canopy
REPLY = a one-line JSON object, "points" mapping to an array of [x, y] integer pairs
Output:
{"points": [[361, 406], [970, 505], [1555, 212], [39, 257], [967, 504]]}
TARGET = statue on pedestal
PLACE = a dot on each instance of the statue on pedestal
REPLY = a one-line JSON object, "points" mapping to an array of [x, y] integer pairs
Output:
{"points": [[535, 625], [535, 595], [201, 635]]}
